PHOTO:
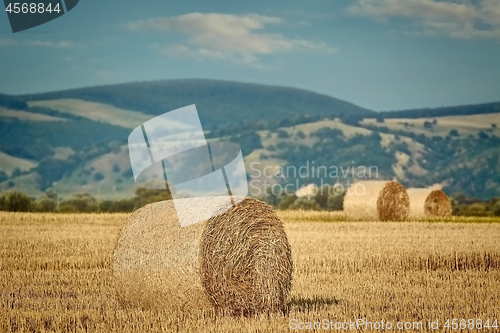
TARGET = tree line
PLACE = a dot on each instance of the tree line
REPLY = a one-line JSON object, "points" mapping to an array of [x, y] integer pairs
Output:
{"points": [[16, 201]]}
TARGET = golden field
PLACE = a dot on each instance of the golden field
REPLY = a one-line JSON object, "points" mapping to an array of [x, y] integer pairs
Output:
{"points": [[55, 275]]}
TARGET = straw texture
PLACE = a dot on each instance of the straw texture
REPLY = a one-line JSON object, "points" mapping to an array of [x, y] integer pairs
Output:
{"points": [[238, 262], [376, 201], [426, 202]]}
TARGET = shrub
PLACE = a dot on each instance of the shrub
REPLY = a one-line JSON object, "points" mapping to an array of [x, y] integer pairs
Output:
{"points": [[454, 132], [301, 135], [116, 168]]}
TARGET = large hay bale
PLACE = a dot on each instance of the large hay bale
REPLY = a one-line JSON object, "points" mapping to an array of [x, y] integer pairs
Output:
{"points": [[376, 201], [427, 202], [238, 262]]}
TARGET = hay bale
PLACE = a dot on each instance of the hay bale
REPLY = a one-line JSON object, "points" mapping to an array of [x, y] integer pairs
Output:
{"points": [[376, 201], [238, 262], [428, 202]]}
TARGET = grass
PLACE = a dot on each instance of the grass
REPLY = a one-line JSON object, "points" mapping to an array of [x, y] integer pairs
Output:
{"points": [[55, 275], [465, 125], [27, 116], [9, 163], [96, 111]]}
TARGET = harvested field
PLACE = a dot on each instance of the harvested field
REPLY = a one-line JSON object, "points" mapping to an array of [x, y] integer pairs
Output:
{"points": [[55, 275]]}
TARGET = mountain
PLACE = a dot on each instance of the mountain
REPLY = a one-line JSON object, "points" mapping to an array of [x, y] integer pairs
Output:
{"points": [[75, 141], [218, 102], [461, 110]]}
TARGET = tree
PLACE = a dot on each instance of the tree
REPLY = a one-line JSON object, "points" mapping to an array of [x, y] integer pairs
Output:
{"points": [[321, 197], [454, 132], [352, 120], [286, 202], [380, 118], [305, 203], [335, 202], [98, 176], [16, 172], [434, 121], [79, 203], [116, 168], [51, 194], [496, 209], [45, 205], [301, 135], [15, 201], [493, 125], [427, 124], [145, 196], [483, 135], [282, 134]]}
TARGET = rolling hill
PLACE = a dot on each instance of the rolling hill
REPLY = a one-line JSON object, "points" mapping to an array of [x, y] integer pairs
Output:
{"points": [[75, 141], [218, 102]]}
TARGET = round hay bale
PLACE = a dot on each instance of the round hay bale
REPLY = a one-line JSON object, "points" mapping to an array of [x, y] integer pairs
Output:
{"points": [[376, 201], [427, 202], [238, 262]]}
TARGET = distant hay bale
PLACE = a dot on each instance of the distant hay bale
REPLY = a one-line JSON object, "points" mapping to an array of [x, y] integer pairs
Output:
{"points": [[376, 201], [428, 202], [238, 262]]}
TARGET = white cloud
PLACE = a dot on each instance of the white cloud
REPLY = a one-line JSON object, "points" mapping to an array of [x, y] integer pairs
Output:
{"points": [[457, 19], [6, 42], [38, 43], [50, 44], [239, 39]]}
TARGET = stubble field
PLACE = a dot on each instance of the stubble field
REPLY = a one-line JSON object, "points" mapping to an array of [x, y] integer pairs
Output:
{"points": [[55, 275]]}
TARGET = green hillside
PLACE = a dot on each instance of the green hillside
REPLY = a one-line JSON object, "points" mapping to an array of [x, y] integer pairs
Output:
{"points": [[218, 102], [74, 141]]}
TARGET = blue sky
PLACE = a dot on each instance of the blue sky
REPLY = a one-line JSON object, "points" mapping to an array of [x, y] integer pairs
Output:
{"points": [[379, 54]]}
